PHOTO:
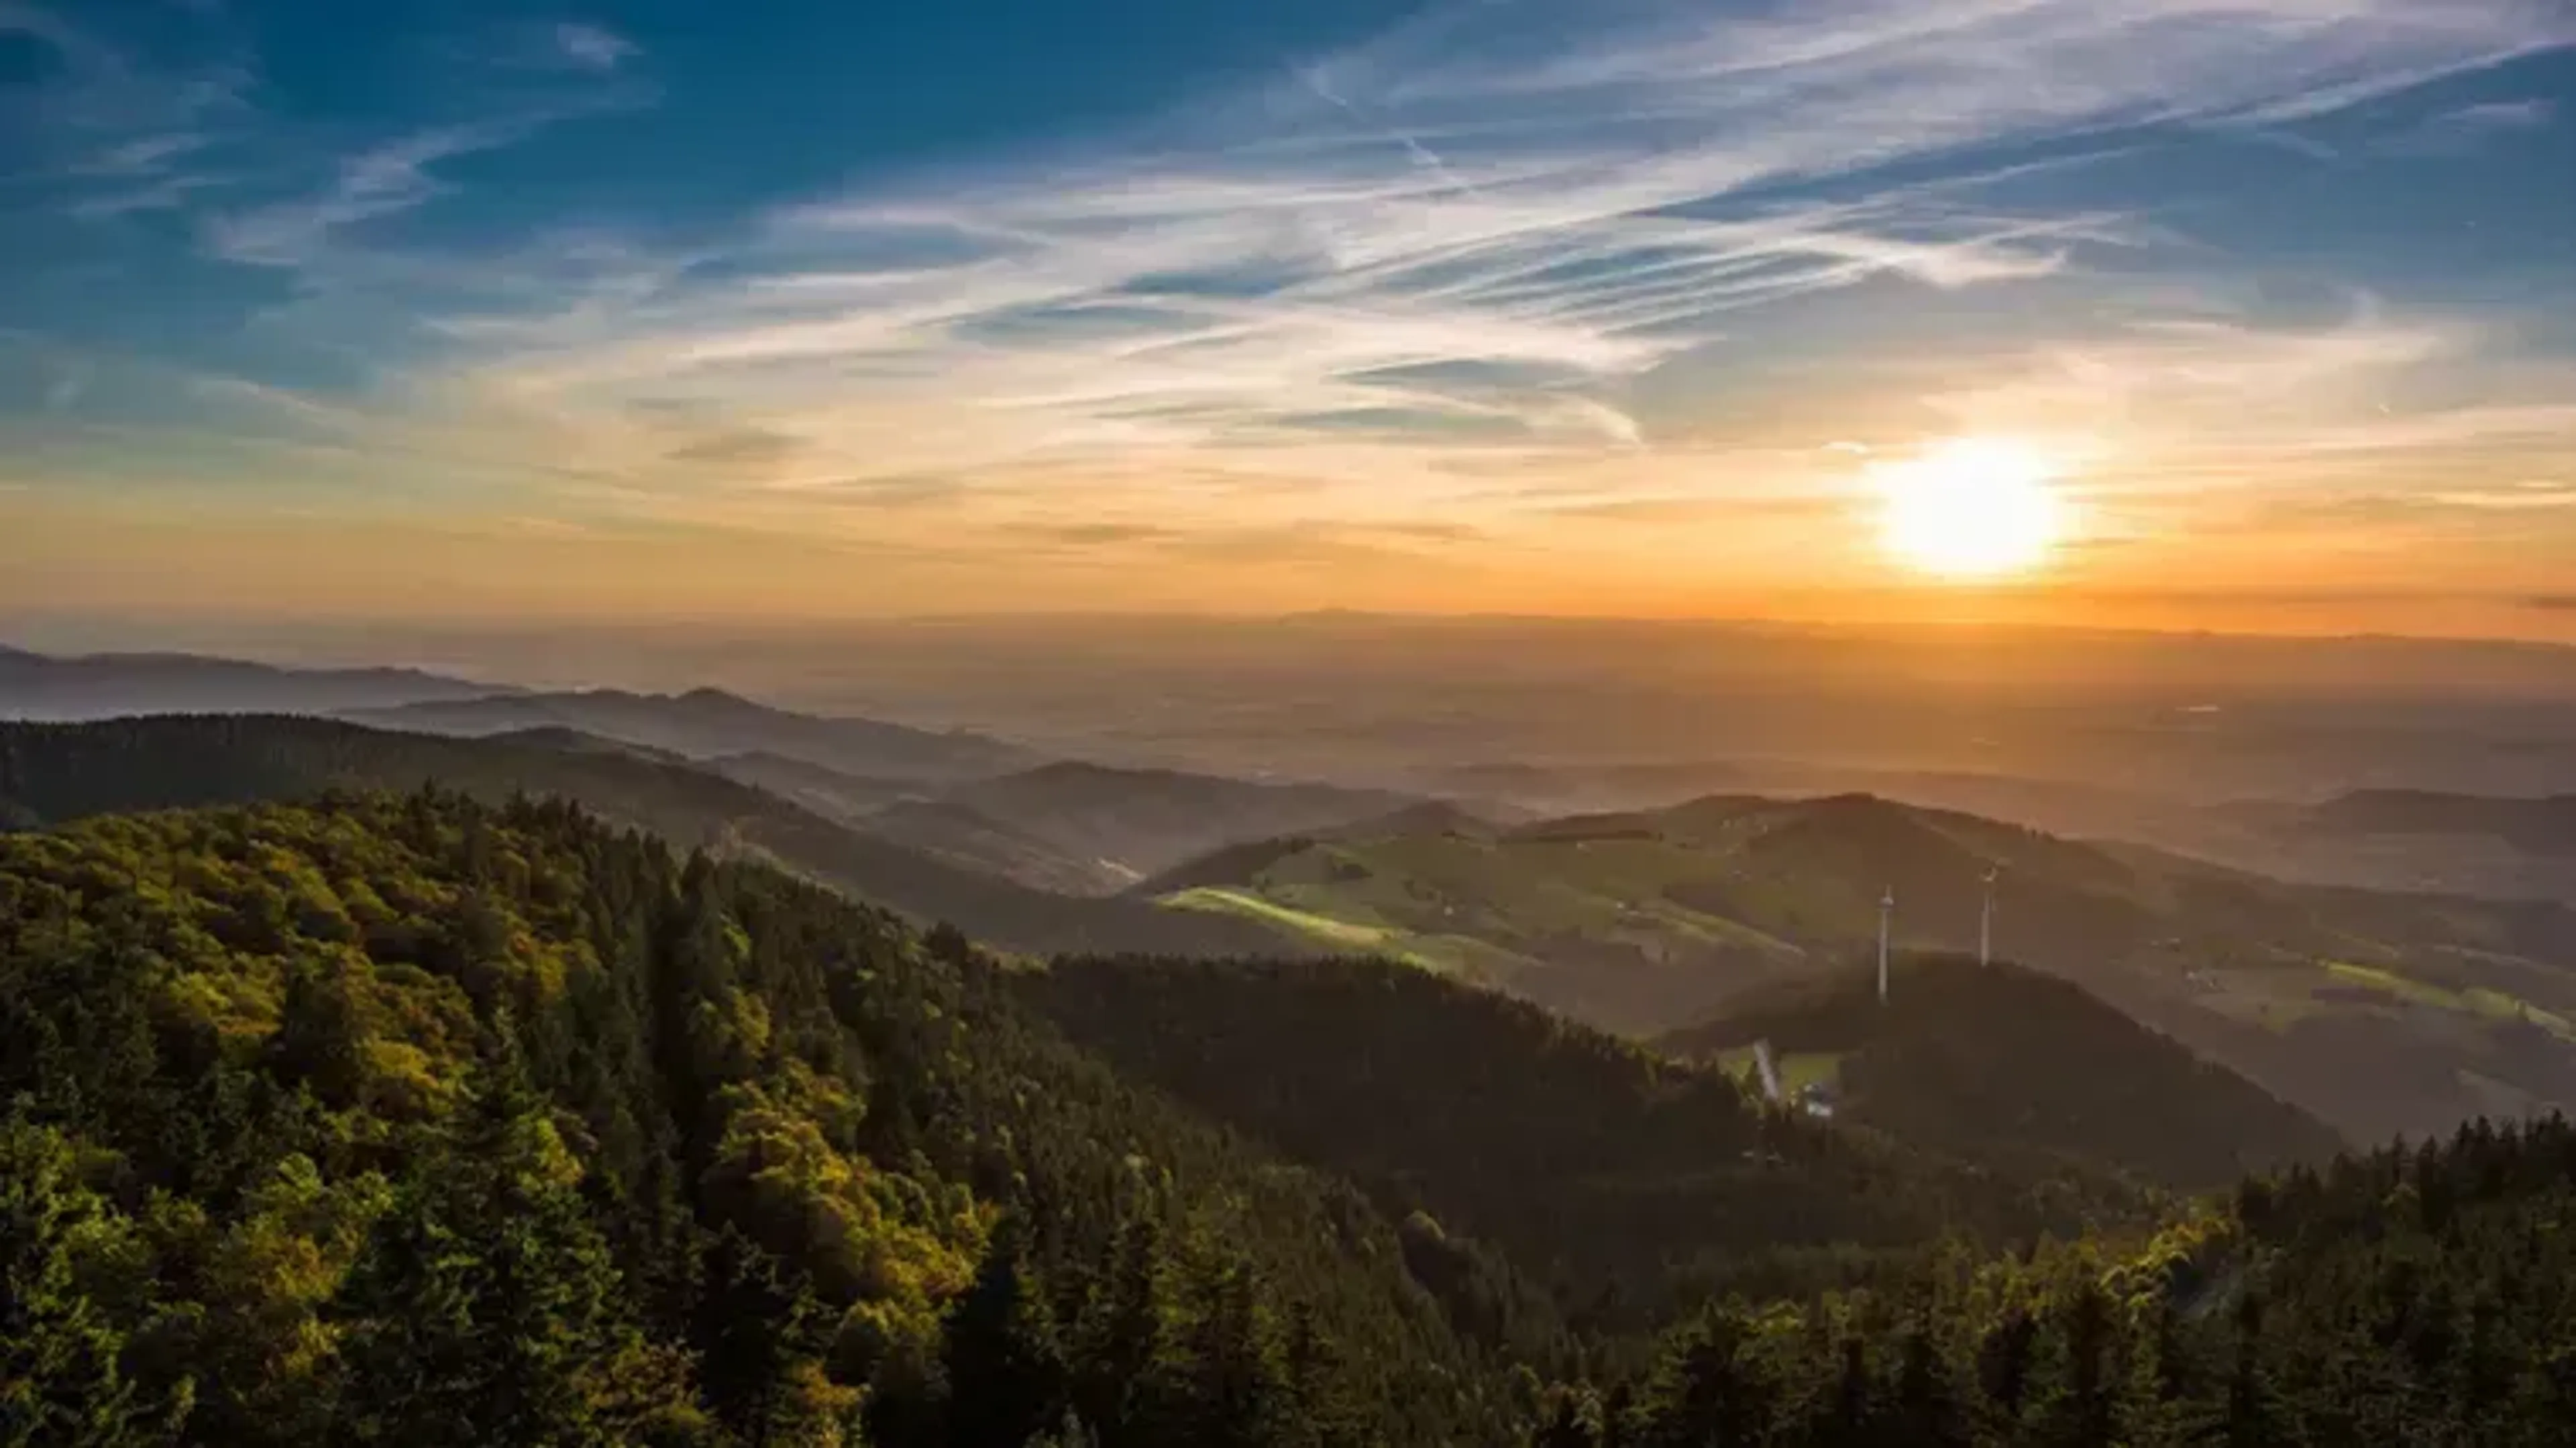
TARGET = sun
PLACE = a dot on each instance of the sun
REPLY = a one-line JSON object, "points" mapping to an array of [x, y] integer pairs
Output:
{"points": [[1971, 508]]}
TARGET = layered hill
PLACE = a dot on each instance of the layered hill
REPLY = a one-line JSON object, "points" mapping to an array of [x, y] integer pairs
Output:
{"points": [[828, 792], [412, 1120], [1621, 1182], [2492, 845], [2000, 1063], [709, 723], [98, 686], [2380, 1012], [1094, 829], [974, 802], [2544, 826], [51, 773]]}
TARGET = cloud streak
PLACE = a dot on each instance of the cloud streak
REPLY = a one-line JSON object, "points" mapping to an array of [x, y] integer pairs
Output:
{"points": [[385, 181], [592, 47]]}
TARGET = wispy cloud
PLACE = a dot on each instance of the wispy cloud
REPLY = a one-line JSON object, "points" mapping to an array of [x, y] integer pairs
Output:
{"points": [[71, 380], [2465, 127], [389, 179], [113, 129], [146, 155], [592, 47], [98, 120], [167, 193], [2520, 115], [2513, 498]]}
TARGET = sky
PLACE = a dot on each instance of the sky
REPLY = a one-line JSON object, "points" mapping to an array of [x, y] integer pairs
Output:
{"points": [[809, 310]]}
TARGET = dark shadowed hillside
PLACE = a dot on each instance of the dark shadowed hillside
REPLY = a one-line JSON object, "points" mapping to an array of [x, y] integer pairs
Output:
{"points": [[1998, 1062], [2415, 1295], [1620, 1180], [970, 839]]}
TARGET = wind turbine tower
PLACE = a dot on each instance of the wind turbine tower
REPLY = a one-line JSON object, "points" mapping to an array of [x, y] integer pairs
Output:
{"points": [[1986, 922], [1886, 915]]}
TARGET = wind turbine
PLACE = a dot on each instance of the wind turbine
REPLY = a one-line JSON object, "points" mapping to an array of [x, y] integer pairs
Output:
{"points": [[1986, 922], [1886, 914]]}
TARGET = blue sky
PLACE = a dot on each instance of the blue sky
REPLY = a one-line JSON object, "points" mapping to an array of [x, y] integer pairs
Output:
{"points": [[821, 309]]}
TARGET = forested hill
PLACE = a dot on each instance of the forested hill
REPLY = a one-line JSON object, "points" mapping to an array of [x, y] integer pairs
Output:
{"points": [[1997, 1060], [2418, 1297], [1614, 1181], [412, 1120], [51, 772]]}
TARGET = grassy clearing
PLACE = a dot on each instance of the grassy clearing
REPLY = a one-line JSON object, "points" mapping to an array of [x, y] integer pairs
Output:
{"points": [[2389, 982], [2477, 1000], [1802, 1069], [1343, 933], [1798, 1069], [1468, 957], [1441, 957], [2505, 1007]]}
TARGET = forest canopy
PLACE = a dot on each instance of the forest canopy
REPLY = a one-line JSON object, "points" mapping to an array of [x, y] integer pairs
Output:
{"points": [[408, 1118]]}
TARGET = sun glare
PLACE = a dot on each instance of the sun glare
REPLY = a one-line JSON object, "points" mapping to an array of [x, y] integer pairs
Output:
{"points": [[1971, 508]]}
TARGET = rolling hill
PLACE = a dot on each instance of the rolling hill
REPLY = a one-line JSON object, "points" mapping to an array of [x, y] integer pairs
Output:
{"points": [[828, 792], [1094, 829], [2544, 826], [2492, 845], [709, 723], [53, 773], [2380, 1012], [99, 686], [973, 802], [2005, 1064]]}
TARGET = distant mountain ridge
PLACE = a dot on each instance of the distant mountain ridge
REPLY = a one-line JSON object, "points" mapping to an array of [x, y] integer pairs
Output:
{"points": [[50, 773], [2537, 826], [710, 723], [94, 686]]}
